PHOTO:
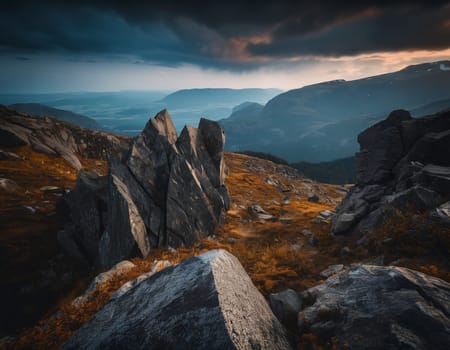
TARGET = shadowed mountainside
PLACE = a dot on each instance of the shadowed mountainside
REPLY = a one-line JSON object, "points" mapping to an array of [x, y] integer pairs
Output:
{"points": [[320, 122]]}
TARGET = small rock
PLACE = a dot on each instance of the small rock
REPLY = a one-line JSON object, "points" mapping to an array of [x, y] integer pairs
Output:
{"points": [[286, 220], [33, 210], [9, 156], [231, 240], [294, 247], [53, 190], [286, 305], [104, 277], [307, 232], [313, 198], [267, 217], [312, 241], [345, 251], [258, 210], [331, 270], [342, 189], [9, 185], [327, 213]]}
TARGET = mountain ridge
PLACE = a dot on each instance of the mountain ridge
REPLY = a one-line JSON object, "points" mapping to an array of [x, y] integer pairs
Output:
{"points": [[287, 119]]}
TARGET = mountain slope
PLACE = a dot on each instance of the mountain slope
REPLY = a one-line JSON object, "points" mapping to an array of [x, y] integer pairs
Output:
{"points": [[68, 116], [320, 122]]}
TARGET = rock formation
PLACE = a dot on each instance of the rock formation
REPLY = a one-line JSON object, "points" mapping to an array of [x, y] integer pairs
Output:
{"points": [[205, 302], [402, 163], [57, 137], [166, 191], [374, 307]]}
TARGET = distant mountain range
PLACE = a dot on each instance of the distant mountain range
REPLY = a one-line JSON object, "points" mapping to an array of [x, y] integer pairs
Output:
{"points": [[217, 97], [126, 112], [42, 110], [320, 122]]}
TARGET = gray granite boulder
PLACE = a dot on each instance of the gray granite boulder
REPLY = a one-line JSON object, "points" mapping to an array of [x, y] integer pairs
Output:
{"points": [[205, 302], [403, 164], [374, 307], [167, 190]]}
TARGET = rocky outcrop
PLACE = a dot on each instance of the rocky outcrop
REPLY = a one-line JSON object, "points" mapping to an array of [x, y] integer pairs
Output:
{"points": [[403, 163], [373, 307], [57, 137], [206, 302], [168, 190]]}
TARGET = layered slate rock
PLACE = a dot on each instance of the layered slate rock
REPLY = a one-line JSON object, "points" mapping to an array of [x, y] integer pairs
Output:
{"points": [[206, 302], [57, 137], [373, 307], [403, 164], [168, 190]]}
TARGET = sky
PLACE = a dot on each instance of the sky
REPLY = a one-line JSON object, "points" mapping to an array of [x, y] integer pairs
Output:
{"points": [[99, 45]]}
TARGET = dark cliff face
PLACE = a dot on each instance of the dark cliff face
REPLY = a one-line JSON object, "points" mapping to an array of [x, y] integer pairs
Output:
{"points": [[403, 162], [57, 137], [168, 190]]}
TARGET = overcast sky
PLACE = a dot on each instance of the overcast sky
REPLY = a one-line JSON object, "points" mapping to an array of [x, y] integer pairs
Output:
{"points": [[52, 46]]}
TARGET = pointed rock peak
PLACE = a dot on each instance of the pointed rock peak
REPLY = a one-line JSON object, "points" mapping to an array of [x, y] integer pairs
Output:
{"points": [[163, 125], [398, 116], [189, 134], [213, 136]]}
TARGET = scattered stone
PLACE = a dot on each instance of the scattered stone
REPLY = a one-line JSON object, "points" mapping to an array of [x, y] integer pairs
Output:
{"points": [[312, 241], [286, 220], [155, 268], [294, 247], [57, 137], [267, 217], [8, 185], [332, 270], [31, 209], [313, 198], [53, 190], [9, 156], [231, 240], [258, 210], [104, 277], [345, 251], [205, 302], [375, 307], [286, 305], [307, 232], [342, 189]]}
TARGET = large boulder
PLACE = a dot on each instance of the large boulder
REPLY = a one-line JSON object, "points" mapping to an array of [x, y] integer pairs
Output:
{"points": [[403, 163], [168, 190], [85, 210], [373, 307], [206, 302]]}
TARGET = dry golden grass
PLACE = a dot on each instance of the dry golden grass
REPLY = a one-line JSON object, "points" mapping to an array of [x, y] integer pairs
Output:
{"points": [[28, 241], [276, 255]]}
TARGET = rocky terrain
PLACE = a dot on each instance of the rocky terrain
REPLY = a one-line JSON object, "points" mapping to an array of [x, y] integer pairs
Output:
{"points": [[403, 164], [327, 291], [68, 116], [57, 137], [168, 191]]}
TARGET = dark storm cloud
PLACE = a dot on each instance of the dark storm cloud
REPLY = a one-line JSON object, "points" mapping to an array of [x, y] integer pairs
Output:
{"points": [[203, 32]]}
